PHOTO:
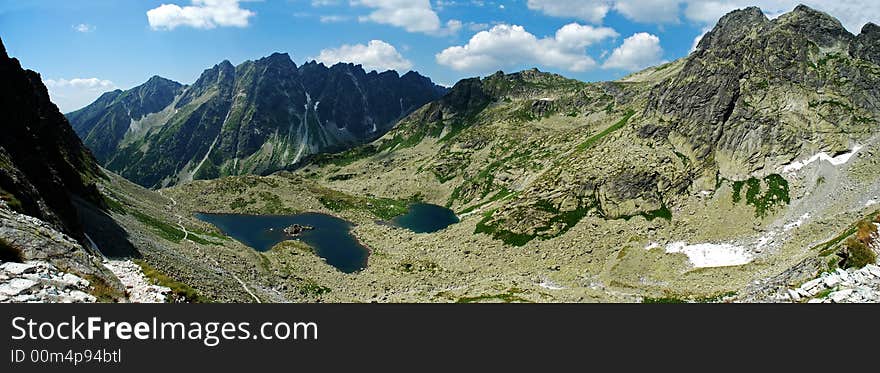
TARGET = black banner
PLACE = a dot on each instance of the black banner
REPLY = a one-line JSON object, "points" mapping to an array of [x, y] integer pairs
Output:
{"points": [[332, 337]]}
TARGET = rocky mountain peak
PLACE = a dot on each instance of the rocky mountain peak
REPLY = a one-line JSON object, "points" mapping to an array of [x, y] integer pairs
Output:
{"points": [[281, 60], [867, 45], [819, 27], [871, 29], [734, 27]]}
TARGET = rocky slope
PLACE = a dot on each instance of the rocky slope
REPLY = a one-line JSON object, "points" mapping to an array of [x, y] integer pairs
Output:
{"points": [[254, 118], [42, 162], [50, 201]]}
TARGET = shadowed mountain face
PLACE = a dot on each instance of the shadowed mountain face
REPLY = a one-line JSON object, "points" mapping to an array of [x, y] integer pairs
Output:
{"points": [[42, 161], [254, 118]]}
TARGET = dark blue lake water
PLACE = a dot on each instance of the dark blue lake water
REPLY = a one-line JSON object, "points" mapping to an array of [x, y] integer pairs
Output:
{"points": [[426, 218], [331, 238]]}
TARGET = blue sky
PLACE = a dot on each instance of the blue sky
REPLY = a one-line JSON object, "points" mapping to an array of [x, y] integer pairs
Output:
{"points": [[83, 48]]}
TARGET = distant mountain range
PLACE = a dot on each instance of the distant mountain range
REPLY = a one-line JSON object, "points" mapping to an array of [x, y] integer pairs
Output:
{"points": [[254, 118]]}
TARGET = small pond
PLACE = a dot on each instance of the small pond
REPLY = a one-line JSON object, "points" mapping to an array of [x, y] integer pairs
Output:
{"points": [[331, 237], [426, 218]]}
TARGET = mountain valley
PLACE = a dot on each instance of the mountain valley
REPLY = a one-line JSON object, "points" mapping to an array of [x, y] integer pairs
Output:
{"points": [[747, 171]]}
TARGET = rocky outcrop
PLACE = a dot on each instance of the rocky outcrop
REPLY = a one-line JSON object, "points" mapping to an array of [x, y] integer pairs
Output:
{"points": [[41, 282], [867, 45], [255, 118], [757, 93], [841, 286], [37, 240]]}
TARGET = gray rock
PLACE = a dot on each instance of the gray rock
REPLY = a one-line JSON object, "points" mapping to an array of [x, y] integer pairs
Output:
{"points": [[17, 286], [840, 296], [831, 281], [18, 269]]}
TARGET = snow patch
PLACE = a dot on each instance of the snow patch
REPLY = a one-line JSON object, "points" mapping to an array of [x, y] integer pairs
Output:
{"points": [[835, 161], [548, 284], [796, 223], [707, 255], [871, 202]]}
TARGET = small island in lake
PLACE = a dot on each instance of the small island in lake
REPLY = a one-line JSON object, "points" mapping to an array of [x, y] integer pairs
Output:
{"points": [[296, 229]]}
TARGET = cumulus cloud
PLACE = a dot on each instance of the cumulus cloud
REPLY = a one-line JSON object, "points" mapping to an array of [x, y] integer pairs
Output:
{"points": [[511, 45], [202, 14], [592, 11], [852, 13], [75, 93], [376, 55], [649, 11], [84, 27], [411, 15], [637, 52]]}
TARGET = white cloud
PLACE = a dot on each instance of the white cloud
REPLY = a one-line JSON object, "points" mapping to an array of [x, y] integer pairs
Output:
{"points": [[411, 15], [511, 45], [377, 55], [649, 11], [852, 13], [75, 93], [592, 11], [477, 26], [334, 18], [637, 52], [84, 27], [202, 14]]}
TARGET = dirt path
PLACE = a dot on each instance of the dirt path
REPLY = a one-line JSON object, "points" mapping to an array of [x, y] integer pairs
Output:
{"points": [[199, 251]]}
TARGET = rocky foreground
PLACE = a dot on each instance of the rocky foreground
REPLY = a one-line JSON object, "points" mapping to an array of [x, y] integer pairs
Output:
{"points": [[41, 282], [840, 286], [137, 286]]}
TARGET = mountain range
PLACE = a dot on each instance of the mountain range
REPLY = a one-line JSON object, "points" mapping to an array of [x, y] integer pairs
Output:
{"points": [[255, 118], [737, 173]]}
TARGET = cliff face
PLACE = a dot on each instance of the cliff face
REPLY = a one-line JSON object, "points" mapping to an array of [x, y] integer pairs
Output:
{"points": [[42, 161], [254, 118], [757, 93]]}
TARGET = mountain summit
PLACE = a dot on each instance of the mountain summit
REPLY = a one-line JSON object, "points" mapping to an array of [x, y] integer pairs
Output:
{"points": [[254, 118]]}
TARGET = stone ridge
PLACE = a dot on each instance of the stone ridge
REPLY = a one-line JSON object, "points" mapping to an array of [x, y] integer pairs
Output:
{"points": [[255, 118]]}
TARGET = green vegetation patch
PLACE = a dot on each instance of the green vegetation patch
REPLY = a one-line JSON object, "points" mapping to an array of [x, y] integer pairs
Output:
{"points": [[180, 292], [599, 136], [662, 213], [168, 231], [345, 158], [10, 200], [502, 194], [163, 229], [383, 208], [101, 290], [562, 220], [764, 201], [829, 247], [309, 287]]}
